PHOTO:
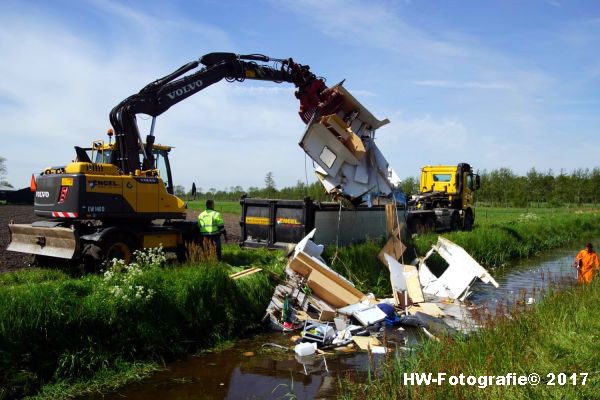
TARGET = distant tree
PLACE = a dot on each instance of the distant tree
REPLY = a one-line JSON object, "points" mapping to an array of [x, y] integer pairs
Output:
{"points": [[270, 182], [3, 172], [595, 185], [410, 186], [270, 187], [179, 190], [252, 191]]}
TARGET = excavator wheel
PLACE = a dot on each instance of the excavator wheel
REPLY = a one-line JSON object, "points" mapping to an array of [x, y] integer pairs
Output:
{"points": [[98, 255]]}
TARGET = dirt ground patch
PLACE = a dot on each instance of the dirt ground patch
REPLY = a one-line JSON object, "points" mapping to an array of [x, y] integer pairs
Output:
{"points": [[22, 214]]}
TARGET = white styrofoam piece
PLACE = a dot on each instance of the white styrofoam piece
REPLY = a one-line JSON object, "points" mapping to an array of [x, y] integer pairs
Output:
{"points": [[302, 244]]}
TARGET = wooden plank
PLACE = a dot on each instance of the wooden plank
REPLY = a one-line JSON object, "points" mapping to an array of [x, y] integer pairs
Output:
{"points": [[305, 264], [390, 219], [413, 286], [326, 315], [426, 308], [366, 342], [246, 272], [331, 291], [355, 145], [394, 247], [337, 125]]}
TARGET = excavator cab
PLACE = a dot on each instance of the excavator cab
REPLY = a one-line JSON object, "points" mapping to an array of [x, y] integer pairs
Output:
{"points": [[101, 153]]}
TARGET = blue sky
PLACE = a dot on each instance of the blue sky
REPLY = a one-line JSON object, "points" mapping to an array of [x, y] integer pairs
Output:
{"points": [[493, 83]]}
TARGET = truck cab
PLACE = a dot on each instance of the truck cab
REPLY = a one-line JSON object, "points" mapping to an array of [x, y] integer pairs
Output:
{"points": [[446, 198]]}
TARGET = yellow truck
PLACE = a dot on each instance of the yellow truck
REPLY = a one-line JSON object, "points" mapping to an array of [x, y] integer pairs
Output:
{"points": [[445, 200]]}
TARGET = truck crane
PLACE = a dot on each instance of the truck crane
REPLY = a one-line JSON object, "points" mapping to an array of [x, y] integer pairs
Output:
{"points": [[106, 208]]}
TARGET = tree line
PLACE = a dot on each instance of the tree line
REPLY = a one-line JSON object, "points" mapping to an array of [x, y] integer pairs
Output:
{"points": [[499, 188], [503, 188], [298, 191]]}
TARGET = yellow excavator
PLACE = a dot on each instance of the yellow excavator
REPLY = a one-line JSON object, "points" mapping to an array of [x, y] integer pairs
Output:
{"points": [[105, 204]]}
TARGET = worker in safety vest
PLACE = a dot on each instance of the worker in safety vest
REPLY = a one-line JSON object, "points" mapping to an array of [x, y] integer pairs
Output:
{"points": [[212, 226], [585, 262]]}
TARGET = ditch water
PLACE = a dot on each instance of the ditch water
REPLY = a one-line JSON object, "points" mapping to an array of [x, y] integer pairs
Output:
{"points": [[250, 370]]}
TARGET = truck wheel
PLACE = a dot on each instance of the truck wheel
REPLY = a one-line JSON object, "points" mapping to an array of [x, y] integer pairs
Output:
{"points": [[426, 226], [429, 225], [455, 222], [469, 220]]}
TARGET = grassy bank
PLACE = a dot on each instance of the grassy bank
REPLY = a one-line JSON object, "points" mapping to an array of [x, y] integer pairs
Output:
{"points": [[77, 333], [560, 335]]}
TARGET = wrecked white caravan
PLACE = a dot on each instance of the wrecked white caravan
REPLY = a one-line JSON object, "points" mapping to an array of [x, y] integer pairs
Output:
{"points": [[456, 280], [316, 298], [342, 145]]}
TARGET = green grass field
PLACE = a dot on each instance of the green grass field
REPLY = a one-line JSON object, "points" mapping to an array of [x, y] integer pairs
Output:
{"points": [[224, 207], [489, 215]]}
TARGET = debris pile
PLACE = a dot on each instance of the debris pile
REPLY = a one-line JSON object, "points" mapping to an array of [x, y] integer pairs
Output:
{"points": [[330, 312]]}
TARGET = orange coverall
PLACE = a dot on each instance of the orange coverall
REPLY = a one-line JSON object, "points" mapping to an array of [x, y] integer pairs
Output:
{"points": [[589, 261]]}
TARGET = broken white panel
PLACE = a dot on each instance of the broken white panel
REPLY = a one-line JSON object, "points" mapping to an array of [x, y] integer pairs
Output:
{"points": [[461, 272], [426, 277], [370, 316], [396, 273], [324, 148], [361, 172], [350, 103], [309, 247], [355, 181], [352, 308], [387, 179], [404, 278]]}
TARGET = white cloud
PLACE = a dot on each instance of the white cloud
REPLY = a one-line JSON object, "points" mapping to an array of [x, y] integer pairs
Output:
{"points": [[460, 100], [59, 87]]}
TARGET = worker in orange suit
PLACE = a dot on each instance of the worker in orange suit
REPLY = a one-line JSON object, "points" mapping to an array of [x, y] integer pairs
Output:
{"points": [[585, 262]]}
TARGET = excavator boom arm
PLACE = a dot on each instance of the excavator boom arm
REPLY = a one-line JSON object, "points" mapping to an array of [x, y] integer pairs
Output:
{"points": [[160, 95]]}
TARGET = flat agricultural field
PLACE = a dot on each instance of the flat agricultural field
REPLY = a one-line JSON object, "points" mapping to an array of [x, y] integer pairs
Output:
{"points": [[224, 207]]}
